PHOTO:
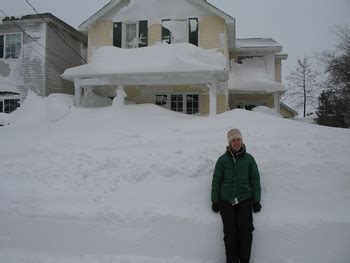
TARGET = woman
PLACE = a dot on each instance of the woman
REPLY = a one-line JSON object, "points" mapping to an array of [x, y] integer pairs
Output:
{"points": [[235, 193]]}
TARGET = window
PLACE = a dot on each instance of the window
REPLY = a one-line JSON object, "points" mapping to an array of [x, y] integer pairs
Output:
{"points": [[177, 103], [180, 31], [186, 103], [10, 45], [9, 101], [131, 36], [10, 105], [192, 104], [241, 58], [161, 100]]}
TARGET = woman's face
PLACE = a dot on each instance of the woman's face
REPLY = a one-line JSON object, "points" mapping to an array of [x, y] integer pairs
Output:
{"points": [[236, 144]]}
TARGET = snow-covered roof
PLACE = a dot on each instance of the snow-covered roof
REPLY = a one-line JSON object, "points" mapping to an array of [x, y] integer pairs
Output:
{"points": [[159, 59], [8, 86], [113, 3], [252, 76], [257, 44]]}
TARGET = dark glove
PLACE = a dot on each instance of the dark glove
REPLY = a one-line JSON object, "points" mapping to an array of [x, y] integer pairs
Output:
{"points": [[256, 207], [215, 206]]}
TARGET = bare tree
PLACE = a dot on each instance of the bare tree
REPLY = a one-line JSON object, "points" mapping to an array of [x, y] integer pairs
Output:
{"points": [[334, 104], [302, 85]]}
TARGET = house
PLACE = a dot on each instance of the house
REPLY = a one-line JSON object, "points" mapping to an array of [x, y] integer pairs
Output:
{"points": [[137, 25], [34, 51]]}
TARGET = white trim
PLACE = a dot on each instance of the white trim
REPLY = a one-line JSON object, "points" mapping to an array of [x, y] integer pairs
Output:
{"points": [[8, 97], [4, 44], [184, 100], [124, 23]]}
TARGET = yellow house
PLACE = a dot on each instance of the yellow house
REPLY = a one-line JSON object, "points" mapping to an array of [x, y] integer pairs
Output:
{"points": [[130, 24]]}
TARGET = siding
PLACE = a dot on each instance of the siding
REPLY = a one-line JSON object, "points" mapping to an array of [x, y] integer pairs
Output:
{"points": [[101, 34], [154, 34], [211, 32], [26, 72], [278, 71], [60, 57], [286, 113]]}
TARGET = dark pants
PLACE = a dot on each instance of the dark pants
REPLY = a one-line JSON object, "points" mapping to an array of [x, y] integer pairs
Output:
{"points": [[238, 230]]}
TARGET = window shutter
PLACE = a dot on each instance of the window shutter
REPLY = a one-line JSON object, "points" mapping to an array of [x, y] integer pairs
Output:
{"points": [[193, 31], [117, 34], [1, 46], [143, 33], [166, 34]]}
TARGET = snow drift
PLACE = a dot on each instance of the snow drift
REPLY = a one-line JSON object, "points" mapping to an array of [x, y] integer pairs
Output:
{"points": [[132, 184]]}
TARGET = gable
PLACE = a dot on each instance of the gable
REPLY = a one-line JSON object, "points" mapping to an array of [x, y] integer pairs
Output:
{"points": [[157, 9], [149, 9]]}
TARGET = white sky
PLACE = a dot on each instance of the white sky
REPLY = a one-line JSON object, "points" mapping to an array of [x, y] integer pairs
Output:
{"points": [[301, 26]]}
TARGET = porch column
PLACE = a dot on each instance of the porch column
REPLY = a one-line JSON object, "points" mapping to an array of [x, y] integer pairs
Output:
{"points": [[213, 98], [78, 92], [276, 102], [119, 100]]}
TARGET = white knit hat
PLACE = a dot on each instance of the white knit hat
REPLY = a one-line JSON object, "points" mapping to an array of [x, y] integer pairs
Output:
{"points": [[234, 134]]}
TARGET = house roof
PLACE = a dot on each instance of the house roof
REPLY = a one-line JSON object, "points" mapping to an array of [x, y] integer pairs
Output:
{"points": [[288, 108], [47, 16], [113, 3], [257, 44], [161, 59]]}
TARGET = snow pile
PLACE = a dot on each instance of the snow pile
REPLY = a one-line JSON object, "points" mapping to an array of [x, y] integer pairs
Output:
{"points": [[58, 106], [267, 110], [250, 76], [182, 57], [133, 185], [4, 119], [32, 110]]}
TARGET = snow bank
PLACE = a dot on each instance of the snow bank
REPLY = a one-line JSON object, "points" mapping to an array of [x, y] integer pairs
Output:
{"points": [[32, 110], [267, 110], [4, 119], [133, 185], [180, 57]]}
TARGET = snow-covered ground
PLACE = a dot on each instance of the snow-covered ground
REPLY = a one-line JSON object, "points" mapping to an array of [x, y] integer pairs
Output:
{"points": [[132, 184]]}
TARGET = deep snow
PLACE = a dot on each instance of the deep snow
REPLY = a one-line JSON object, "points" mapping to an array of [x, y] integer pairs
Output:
{"points": [[132, 184]]}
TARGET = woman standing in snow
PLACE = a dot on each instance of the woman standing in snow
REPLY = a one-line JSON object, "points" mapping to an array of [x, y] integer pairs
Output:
{"points": [[236, 193]]}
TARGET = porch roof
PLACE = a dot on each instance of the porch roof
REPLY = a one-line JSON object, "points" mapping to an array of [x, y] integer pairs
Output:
{"points": [[252, 77], [176, 61]]}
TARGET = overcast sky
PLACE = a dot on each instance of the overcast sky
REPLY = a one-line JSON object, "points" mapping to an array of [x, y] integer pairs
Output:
{"points": [[301, 26]]}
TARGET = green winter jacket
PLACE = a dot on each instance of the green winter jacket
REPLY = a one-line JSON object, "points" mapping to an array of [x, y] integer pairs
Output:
{"points": [[236, 176]]}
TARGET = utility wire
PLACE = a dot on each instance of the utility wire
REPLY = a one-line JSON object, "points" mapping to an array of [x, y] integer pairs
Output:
{"points": [[55, 31], [25, 33], [36, 41]]}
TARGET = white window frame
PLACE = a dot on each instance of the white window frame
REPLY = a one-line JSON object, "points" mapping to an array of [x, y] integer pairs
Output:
{"points": [[124, 32], [4, 45], [8, 97], [184, 100]]}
